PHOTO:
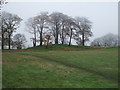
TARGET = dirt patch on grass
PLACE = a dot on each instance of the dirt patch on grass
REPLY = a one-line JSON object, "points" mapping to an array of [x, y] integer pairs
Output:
{"points": [[61, 67], [63, 72], [8, 63]]}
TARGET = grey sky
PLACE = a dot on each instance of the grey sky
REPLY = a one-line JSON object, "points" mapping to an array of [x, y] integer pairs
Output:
{"points": [[104, 15]]}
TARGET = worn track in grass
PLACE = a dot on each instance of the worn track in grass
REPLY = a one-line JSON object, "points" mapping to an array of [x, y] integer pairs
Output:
{"points": [[77, 67]]}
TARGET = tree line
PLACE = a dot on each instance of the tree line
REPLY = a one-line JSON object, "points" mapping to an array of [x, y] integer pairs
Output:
{"points": [[54, 28], [108, 40], [10, 23], [60, 28]]}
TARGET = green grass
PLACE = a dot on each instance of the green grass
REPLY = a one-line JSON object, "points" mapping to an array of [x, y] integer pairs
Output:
{"points": [[59, 47], [56, 67]]}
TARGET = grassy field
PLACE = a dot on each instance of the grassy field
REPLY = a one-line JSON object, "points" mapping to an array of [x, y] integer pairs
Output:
{"points": [[61, 67]]}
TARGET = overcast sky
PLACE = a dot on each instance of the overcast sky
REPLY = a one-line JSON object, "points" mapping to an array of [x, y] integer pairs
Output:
{"points": [[104, 15]]}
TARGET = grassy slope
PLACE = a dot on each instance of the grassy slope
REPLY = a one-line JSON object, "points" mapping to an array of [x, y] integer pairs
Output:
{"points": [[84, 68], [59, 48]]}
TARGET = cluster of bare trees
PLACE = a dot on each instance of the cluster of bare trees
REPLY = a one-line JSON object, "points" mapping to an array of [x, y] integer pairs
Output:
{"points": [[60, 28], [108, 40], [10, 22], [56, 28]]}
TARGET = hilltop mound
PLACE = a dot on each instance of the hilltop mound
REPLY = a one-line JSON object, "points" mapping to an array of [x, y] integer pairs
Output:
{"points": [[59, 47]]}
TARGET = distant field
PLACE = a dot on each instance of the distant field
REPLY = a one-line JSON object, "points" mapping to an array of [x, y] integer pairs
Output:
{"points": [[61, 67]]}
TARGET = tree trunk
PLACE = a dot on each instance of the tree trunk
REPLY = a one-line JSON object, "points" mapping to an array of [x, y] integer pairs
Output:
{"points": [[33, 43], [62, 36], [47, 43], [2, 41], [9, 41], [70, 38], [41, 37], [56, 36], [83, 40], [35, 40]]}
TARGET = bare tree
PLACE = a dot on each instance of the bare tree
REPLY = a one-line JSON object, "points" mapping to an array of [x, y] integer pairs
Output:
{"points": [[63, 29], [48, 38], [32, 28], [106, 40], [97, 42], [10, 24], [55, 20], [71, 26], [19, 41], [2, 29], [41, 24], [84, 29]]}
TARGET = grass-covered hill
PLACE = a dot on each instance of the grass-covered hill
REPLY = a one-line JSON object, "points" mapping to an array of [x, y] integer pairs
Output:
{"points": [[61, 66], [59, 47]]}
